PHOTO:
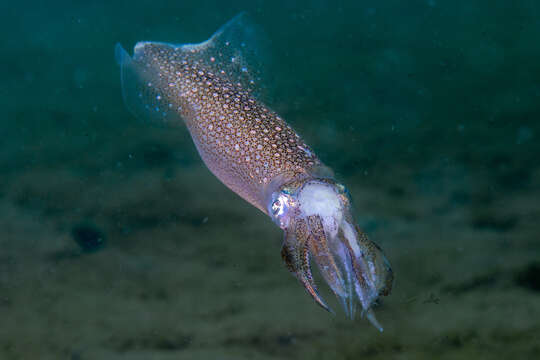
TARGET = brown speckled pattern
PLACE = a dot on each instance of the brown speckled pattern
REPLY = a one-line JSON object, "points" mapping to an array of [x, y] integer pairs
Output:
{"points": [[245, 144]]}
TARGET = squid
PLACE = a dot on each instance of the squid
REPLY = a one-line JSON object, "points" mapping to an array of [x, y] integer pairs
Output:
{"points": [[213, 88]]}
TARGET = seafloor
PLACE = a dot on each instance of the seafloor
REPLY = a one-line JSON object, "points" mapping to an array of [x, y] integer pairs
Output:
{"points": [[432, 123]]}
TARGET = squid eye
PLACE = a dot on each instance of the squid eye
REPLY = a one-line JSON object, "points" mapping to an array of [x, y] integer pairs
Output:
{"points": [[276, 206]]}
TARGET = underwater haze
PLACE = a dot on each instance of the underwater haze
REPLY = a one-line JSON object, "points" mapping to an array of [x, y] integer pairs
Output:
{"points": [[117, 242]]}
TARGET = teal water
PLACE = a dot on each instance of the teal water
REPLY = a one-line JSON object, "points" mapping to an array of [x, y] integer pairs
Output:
{"points": [[117, 242]]}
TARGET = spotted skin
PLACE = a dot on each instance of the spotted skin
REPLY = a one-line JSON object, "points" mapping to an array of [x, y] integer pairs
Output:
{"points": [[209, 88], [242, 141]]}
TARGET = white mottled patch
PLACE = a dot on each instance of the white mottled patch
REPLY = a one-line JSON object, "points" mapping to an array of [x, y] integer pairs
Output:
{"points": [[320, 199]]}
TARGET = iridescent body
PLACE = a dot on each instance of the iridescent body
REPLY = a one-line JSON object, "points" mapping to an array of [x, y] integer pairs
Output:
{"points": [[212, 88]]}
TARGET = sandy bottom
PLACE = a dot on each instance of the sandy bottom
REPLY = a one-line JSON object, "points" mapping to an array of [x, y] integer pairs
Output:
{"points": [[190, 271]]}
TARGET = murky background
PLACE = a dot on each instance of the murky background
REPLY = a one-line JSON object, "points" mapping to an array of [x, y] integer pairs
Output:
{"points": [[117, 243]]}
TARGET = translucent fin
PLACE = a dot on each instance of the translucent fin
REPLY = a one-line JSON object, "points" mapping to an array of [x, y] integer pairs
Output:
{"points": [[141, 89], [238, 51]]}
